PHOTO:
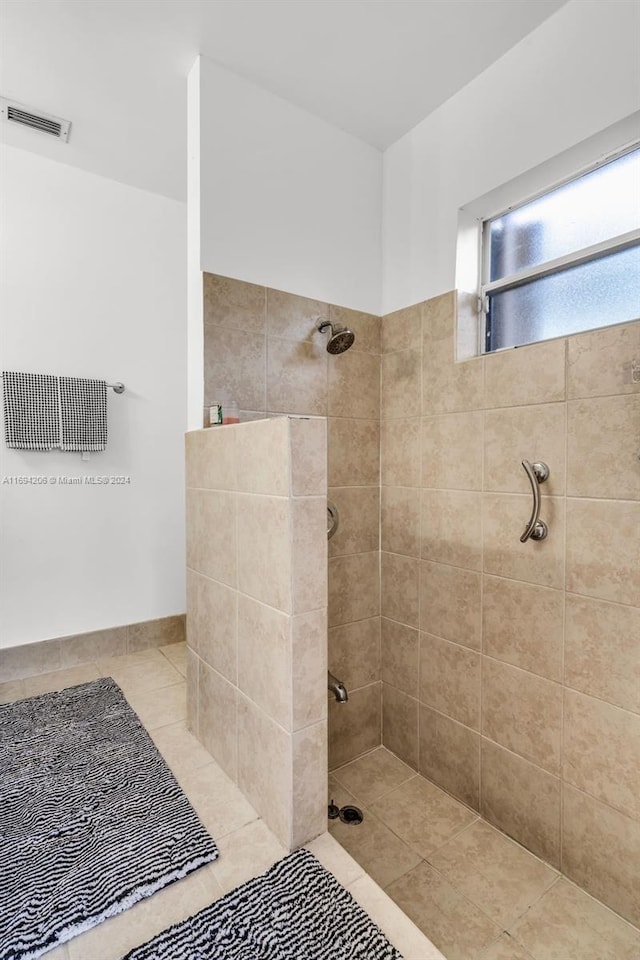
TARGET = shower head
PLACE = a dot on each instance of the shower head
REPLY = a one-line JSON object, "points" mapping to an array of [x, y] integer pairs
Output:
{"points": [[341, 338]]}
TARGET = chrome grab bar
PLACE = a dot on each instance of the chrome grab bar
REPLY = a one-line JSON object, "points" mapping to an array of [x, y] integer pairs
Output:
{"points": [[537, 473]]}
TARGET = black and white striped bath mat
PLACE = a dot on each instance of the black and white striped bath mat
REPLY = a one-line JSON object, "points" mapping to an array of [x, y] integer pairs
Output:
{"points": [[294, 911], [91, 818]]}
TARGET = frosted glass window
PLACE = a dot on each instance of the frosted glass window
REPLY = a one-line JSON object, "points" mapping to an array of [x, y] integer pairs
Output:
{"points": [[566, 261], [594, 294], [602, 204]]}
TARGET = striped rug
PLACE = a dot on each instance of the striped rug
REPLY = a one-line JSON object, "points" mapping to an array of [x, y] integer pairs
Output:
{"points": [[91, 818], [294, 911]]}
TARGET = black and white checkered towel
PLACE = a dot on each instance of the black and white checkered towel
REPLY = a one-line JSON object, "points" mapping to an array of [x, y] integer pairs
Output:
{"points": [[42, 412], [83, 414], [31, 411]]}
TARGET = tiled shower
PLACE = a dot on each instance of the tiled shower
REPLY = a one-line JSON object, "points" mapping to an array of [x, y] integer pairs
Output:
{"points": [[507, 673]]}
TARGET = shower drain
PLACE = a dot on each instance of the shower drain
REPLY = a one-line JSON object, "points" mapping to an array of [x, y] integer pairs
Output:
{"points": [[348, 814]]}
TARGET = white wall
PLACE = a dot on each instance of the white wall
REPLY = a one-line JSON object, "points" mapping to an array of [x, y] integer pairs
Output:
{"points": [[94, 285], [576, 74], [287, 199]]}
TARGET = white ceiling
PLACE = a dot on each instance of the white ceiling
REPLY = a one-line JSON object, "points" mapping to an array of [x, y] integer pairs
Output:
{"points": [[117, 68]]}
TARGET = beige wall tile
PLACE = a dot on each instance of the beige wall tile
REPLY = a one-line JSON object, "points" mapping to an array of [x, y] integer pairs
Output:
{"points": [[493, 872], [29, 659], [235, 364], [450, 603], [309, 553], [602, 455], [366, 327], [293, 317], [308, 440], [399, 588], [452, 451], [355, 726], [569, 923], [296, 377], [354, 385], [93, 646], [309, 775], [533, 373], [211, 534], [523, 713], [401, 330], [264, 775], [212, 623], [601, 852], [597, 361], [457, 927], [523, 625], [603, 549], [522, 800], [193, 662], [309, 658], [262, 457], [400, 724], [354, 588], [536, 561], [602, 650], [450, 756], [447, 386], [155, 633], [353, 452], [452, 527], [401, 384], [524, 433], [400, 656], [354, 652], [264, 659], [264, 550], [234, 303], [400, 452], [400, 520], [359, 512], [602, 751], [450, 679], [217, 721], [210, 459]]}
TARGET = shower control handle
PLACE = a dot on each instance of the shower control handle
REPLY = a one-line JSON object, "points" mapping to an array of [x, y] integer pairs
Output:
{"points": [[537, 473]]}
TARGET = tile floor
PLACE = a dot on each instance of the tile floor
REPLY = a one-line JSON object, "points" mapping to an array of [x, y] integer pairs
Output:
{"points": [[475, 893], [153, 682]]}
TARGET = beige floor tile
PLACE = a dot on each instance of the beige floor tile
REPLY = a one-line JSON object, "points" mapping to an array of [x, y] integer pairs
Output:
{"points": [[158, 708], [456, 926], [11, 691], [60, 679], [373, 775], [496, 874], [176, 653], [148, 675], [339, 794], [115, 937], [246, 853], [217, 800], [505, 948], [423, 815], [384, 856], [60, 953], [568, 924], [128, 660], [335, 858], [397, 927], [183, 753]]}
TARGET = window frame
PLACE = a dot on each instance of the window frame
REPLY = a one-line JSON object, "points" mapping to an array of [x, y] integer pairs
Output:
{"points": [[473, 250]]}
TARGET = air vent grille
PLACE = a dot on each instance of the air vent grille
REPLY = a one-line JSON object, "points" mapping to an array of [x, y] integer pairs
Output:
{"points": [[27, 117]]}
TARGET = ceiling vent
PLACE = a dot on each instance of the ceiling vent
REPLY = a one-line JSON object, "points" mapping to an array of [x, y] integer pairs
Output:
{"points": [[14, 112]]}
